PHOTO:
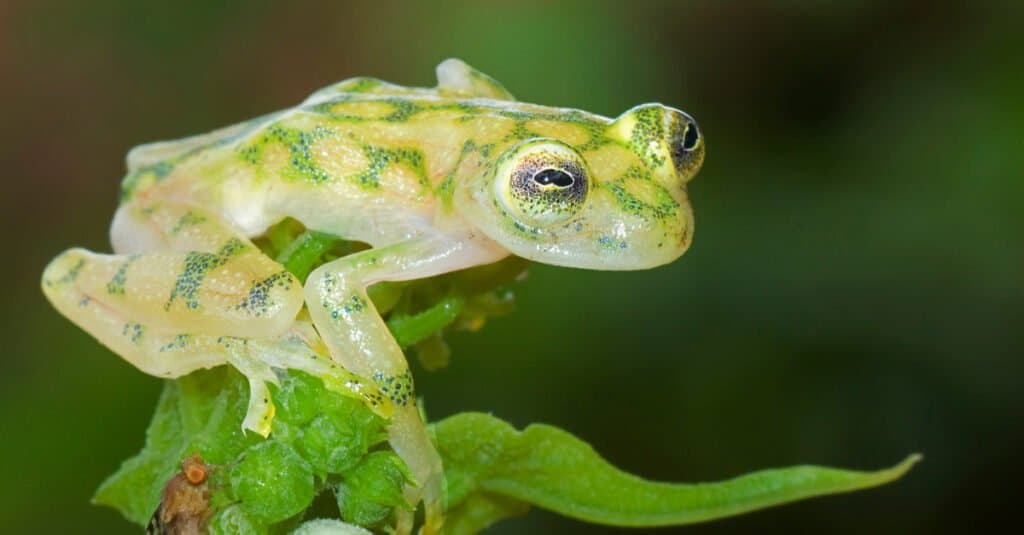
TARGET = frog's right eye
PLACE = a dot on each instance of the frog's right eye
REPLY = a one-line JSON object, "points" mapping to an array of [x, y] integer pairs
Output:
{"points": [[541, 182]]}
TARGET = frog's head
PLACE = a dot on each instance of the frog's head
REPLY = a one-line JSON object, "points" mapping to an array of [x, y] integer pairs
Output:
{"points": [[616, 200]]}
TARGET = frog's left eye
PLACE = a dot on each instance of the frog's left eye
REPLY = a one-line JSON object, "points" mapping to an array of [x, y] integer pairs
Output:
{"points": [[686, 144], [542, 182], [690, 136]]}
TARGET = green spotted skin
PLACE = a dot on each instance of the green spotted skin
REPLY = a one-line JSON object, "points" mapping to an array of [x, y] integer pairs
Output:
{"points": [[377, 162], [197, 265]]}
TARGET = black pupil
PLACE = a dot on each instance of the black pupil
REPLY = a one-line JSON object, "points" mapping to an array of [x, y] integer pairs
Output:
{"points": [[553, 176], [690, 137]]}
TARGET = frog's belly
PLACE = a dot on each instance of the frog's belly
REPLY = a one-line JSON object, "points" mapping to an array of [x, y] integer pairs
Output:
{"points": [[373, 220]]}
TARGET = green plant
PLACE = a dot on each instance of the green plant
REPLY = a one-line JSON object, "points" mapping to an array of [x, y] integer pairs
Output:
{"points": [[327, 456]]}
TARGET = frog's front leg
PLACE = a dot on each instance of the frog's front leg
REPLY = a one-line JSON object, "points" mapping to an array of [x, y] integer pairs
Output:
{"points": [[358, 338]]}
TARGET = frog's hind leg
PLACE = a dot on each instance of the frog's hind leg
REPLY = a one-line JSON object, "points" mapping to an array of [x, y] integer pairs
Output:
{"points": [[157, 352], [192, 303], [152, 347], [190, 274]]}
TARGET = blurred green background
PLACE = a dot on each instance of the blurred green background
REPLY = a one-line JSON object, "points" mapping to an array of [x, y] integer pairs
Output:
{"points": [[854, 292]]}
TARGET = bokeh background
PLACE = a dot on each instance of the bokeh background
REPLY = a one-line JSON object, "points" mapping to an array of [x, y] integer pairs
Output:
{"points": [[854, 293]]}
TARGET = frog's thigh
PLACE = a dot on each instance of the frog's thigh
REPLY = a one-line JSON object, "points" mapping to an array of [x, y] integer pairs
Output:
{"points": [[236, 291], [150, 349], [191, 273], [91, 290]]}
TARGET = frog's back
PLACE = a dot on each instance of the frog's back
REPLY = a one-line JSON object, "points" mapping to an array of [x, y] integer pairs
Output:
{"points": [[362, 158], [245, 172]]}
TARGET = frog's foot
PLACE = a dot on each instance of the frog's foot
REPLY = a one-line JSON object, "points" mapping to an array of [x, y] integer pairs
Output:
{"points": [[258, 360], [413, 444], [297, 350]]}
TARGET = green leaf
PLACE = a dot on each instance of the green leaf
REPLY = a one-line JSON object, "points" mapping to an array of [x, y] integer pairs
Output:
{"points": [[136, 487], [233, 521], [481, 510], [371, 490], [304, 252], [255, 482], [273, 482], [552, 469], [200, 412], [409, 330]]}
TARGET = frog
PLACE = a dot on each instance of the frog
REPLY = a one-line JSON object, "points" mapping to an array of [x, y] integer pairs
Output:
{"points": [[432, 179]]}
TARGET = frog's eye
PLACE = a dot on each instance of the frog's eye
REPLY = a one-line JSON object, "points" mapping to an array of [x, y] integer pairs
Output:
{"points": [[690, 137], [685, 139], [542, 182], [686, 145]]}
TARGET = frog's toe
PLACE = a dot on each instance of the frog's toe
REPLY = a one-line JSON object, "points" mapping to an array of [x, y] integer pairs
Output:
{"points": [[260, 415], [291, 352]]}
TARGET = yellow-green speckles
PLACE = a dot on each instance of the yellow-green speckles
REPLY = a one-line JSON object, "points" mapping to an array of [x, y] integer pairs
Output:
{"points": [[257, 302], [647, 134], [447, 187], [369, 394], [354, 110], [178, 343], [339, 308], [299, 144], [70, 275], [353, 305], [359, 85], [404, 109], [133, 331], [347, 108], [380, 158], [232, 342], [520, 132], [659, 204], [398, 388], [610, 243], [189, 219], [116, 284], [516, 226], [145, 176], [305, 155], [197, 265]]}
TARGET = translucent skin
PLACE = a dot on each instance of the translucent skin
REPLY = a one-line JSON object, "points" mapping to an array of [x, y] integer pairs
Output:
{"points": [[436, 180]]}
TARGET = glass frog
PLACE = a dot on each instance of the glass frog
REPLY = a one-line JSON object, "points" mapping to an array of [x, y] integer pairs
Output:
{"points": [[433, 179]]}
